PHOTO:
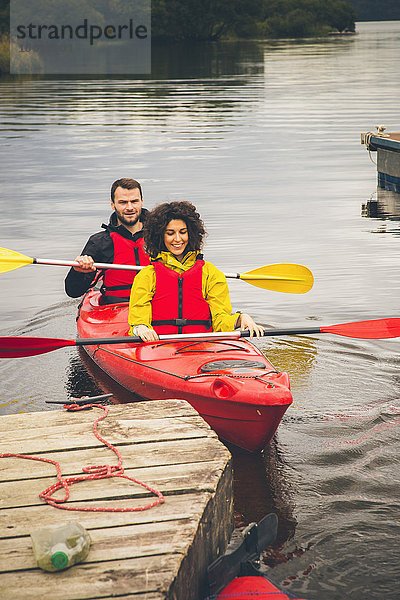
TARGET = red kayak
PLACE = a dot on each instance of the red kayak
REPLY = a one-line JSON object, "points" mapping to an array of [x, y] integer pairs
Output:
{"points": [[252, 588], [228, 380]]}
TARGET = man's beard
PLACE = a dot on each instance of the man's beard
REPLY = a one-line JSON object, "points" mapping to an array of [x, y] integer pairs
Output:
{"points": [[122, 219]]}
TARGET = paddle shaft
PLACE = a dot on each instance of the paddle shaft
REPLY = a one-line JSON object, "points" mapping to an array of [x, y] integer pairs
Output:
{"points": [[135, 339], [17, 347], [282, 277], [373, 329], [74, 263]]}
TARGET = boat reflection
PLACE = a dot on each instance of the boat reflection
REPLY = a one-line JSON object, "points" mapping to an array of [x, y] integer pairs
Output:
{"points": [[260, 487], [294, 354], [385, 206]]}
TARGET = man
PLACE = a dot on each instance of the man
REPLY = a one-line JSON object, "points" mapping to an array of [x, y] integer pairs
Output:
{"points": [[120, 243]]}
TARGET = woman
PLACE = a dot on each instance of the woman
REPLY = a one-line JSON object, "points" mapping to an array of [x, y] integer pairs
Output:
{"points": [[180, 292]]}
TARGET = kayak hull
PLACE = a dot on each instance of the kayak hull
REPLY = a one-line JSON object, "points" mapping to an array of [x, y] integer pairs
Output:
{"points": [[228, 381], [249, 588]]}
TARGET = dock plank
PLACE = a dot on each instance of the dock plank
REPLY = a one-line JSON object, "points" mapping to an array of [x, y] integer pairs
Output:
{"points": [[16, 522], [71, 462], [88, 581], [186, 478], [145, 409], [133, 541], [30, 440], [161, 553]]}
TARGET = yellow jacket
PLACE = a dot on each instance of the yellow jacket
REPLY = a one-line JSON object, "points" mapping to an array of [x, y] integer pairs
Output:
{"points": [[214, 287]]}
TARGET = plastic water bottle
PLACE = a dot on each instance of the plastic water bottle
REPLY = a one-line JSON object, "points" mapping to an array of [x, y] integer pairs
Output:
{"points": [[61, 546]]}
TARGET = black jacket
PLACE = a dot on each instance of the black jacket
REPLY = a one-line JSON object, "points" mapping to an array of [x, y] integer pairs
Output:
{"points": [[101, 248]]}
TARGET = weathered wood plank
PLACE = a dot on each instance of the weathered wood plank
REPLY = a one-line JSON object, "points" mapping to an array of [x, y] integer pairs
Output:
{"points": [[179, 480], [115, 543], [84, 581], [134, 456], [80, 435], [16, 522], [153, 409], [145, 596]]}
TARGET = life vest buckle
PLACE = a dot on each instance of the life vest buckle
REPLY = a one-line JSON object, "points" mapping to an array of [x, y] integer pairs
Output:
{"points": [[180, 322]]}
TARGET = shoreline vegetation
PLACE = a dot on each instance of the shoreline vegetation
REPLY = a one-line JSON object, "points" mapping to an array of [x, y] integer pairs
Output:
{"points": [[197, 21]]}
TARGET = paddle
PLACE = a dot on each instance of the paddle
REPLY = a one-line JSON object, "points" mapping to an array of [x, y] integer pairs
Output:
{"points": [[17, 347], [282, 277], [242, 559]]}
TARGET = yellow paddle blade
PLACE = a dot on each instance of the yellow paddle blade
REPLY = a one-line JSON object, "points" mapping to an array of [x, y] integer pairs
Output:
{"points": [[10, 260], [282, 277]]}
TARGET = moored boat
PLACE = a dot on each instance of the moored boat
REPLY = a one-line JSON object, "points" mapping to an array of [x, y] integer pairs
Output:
{"points": [[251, 588], [387, 147], [227, 380], [341, 33]]}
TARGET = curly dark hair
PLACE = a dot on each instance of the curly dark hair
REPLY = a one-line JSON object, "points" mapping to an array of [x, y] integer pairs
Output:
{"points": [[158, 219]]}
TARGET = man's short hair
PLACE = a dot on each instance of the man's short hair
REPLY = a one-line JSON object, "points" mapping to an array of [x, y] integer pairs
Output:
{"points": [[127, 184]]}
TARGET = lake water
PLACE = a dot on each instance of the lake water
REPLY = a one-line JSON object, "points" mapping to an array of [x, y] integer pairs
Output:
{"points": [[264, 137]]}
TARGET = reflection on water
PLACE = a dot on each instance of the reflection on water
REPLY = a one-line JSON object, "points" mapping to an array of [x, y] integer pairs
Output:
{"points": [[385, 207], [179, 61], [261, 486], [79, 382], [295, 354]]}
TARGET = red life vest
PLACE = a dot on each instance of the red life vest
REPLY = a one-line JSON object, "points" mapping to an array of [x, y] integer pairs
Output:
{"points": [[126, 252], [178, 305]]}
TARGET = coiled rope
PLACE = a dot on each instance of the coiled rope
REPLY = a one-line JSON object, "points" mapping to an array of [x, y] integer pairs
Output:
{"points": [[93, 472], [380, 132]]}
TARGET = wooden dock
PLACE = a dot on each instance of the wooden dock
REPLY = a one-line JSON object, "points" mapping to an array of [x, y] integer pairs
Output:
{"points": [[159, 553]]}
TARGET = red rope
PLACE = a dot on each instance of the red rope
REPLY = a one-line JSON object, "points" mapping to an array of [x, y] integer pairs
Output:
{"points": [[93, 472]]}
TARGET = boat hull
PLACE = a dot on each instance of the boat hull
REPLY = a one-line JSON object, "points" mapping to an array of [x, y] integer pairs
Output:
{"points": [[228, 381], [247, 588]]}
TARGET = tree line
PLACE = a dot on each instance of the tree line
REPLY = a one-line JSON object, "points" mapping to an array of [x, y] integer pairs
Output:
{"points": [[215, 19], [205, 20], [201, 20]]}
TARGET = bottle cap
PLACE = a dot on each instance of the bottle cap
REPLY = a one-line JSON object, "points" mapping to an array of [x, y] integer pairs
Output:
{"points": [[59, 560]]}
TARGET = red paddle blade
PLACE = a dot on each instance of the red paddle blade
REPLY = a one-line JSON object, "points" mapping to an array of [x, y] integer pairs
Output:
{"points": [[17, 347], [369, 330]]}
